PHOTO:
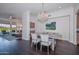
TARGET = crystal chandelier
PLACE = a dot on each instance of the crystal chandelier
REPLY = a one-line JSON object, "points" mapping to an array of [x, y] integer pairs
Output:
{"points": [[43, 16]]}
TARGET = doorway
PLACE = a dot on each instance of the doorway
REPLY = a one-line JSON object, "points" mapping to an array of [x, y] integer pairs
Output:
{"points": [[78, 28]]}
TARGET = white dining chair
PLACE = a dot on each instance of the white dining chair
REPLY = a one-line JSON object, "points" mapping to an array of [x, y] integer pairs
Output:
{"points": [[45, 42], [52, 37], [35, 40]]}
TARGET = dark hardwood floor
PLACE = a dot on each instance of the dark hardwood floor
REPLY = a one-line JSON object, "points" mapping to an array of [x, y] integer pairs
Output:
{"points": [[21, 47]]}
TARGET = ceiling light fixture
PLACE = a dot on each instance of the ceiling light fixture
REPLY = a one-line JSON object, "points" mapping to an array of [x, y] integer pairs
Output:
{"points": [[43, 15], [59, 7]]}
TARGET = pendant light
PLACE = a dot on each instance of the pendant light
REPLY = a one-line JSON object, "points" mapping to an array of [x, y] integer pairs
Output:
{"points": [[43, 15]]}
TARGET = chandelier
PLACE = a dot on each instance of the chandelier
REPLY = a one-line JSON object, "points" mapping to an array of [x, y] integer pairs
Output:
{"points": [[43, 16]]}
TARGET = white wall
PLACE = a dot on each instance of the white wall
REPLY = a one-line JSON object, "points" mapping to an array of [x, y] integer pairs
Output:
{"points": [[70, 12], [64, 12], [39, 27], [62, 27]]}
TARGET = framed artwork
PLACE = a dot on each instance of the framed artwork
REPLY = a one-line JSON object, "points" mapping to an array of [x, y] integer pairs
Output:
{"points": [[32, 25], [51, 26]]}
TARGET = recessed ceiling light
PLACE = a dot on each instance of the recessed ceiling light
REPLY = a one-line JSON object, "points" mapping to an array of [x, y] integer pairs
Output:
{"points": [[59, 7]]}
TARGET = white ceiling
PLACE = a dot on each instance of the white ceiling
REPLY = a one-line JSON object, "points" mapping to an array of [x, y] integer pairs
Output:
{"points": [[17, 9]]}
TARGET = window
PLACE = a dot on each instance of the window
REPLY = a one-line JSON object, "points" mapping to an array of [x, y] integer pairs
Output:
{"points": [[7, 25]]}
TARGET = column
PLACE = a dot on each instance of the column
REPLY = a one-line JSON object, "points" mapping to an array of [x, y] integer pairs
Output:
{"points": [[26, 25]]}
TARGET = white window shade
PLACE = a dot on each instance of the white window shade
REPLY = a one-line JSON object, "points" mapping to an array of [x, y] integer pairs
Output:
{"points": [[13, 26], [7, 25]]}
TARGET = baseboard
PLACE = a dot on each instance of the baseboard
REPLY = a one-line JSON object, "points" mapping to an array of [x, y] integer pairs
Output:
{"points": [[73, 42]]}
